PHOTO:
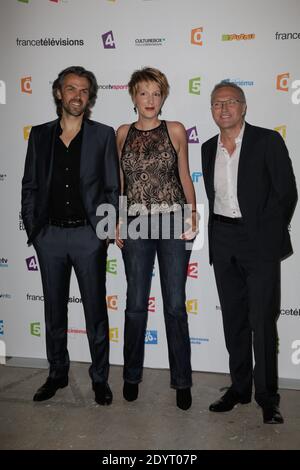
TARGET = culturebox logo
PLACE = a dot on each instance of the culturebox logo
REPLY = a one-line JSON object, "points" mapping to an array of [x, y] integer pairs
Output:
{"points": [[31, 263], [111, 266], [192, 135], [238, 37], [35, 329], [108, 40], [150, 41], [284, 83], [196, 36], [281, 130], [2, 92], [194, 85], [26, 85], [192, 306], [26, 132], [151, 337]]}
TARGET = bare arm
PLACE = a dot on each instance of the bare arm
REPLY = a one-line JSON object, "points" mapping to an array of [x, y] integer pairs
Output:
{"points": [[121, 137]]}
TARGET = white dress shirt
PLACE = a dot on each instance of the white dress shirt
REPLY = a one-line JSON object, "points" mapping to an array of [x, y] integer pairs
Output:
{"points": [[225, 179]]}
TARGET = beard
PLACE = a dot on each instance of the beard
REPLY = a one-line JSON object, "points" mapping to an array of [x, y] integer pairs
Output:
{"points": [[74, 108]]}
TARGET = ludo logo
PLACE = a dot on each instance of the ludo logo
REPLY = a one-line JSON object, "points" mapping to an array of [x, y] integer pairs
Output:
{"points": [[26, 85], [192, 135], [194, 85], [283, 83], [296, 354], [2, 92], [151, 337], [196, 36], [108, 40], [32, 263], [35, 329]]}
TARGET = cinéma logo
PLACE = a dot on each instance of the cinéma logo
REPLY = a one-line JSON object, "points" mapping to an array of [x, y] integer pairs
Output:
{"points": [[196, 36], [238, 81], [196, 175], [192, 135], [194, 85], [114, 335], [192, 306], [26, 85], [108, 40], [32, 263], [296, 354], [281, 130], [1, 327], [193, 270], [3, 262], [112, 302], [26, 132], [2, 92], [35, 329], [151, 337], [151, 304], [111, 266]]}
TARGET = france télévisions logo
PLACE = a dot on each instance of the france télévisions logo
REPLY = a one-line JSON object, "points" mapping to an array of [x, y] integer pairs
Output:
{"points": [[151, 337], [32, 263], [3, 262], [108, 40], [192, 135], [2, 92]]}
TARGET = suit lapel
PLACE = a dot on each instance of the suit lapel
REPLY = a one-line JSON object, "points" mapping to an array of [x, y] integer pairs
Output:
{"points": [[86, 146], [245, 154], [211, 166], [50, 144]]}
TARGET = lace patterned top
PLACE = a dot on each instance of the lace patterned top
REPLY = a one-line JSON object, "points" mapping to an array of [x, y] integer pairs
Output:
{"points": [[150, 166]]}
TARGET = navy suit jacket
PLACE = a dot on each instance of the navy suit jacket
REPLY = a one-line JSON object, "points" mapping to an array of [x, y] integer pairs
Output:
{"points": [[266, 190], [99, 173]]}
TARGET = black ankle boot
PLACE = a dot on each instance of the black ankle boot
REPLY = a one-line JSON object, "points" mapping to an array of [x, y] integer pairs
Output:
{"points": [[183, 398], [130, 391]]}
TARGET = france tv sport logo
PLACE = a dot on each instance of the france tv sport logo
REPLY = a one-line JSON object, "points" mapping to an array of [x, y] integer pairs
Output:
{"points": [[2, 92], [26, 85], [108, 40], [151, 337]]}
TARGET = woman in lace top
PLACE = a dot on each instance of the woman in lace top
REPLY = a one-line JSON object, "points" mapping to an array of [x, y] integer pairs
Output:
{"points": [[156, 181]]}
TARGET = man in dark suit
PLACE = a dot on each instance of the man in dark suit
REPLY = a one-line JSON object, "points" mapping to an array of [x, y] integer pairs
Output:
{"points": [[252, 193], [71, 168]]}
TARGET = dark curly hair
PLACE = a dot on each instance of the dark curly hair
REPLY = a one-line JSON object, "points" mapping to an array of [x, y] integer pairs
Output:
{"points": [[80, 72]]}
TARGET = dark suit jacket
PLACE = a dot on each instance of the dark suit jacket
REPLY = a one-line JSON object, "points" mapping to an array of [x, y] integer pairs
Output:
{"points": [[266, 190], [99, 173]]}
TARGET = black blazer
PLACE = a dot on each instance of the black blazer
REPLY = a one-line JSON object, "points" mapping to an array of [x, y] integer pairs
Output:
{"points": [[266, 190], [99, 173]]}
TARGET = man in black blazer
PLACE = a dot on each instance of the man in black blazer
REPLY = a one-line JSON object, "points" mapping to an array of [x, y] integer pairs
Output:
{"points": [[71, 168], [252, 194]]}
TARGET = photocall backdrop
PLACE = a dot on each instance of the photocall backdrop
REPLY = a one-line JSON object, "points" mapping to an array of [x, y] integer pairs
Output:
{"points": [[196, 44]]}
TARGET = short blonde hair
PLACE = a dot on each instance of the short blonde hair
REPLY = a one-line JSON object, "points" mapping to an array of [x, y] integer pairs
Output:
{"points": [[148, 74]]}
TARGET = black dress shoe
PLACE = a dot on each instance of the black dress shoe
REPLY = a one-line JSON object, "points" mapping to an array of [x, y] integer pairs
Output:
{"points": [[103, 394], [130, 391], [183, 398], [50, 388], [227, 402], [272, 415]]}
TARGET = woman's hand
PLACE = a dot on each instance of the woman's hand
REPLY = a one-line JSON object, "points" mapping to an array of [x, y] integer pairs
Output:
{"points": [[193, 230], [119, 241]]}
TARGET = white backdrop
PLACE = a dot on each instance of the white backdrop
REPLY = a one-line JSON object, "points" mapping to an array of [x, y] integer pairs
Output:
{"points": [[196, 43]]}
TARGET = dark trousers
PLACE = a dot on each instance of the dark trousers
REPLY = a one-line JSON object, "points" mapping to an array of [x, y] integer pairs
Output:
{"points": [[173, 258], [249, 292], [58, 250]]}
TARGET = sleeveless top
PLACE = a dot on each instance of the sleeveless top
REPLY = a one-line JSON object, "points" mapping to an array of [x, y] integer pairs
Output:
{"points": [[150, 166]]}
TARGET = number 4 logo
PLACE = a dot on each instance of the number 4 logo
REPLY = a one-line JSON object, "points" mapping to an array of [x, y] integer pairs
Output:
{"points": [[32, 264], [108, 40], [192, 135]]}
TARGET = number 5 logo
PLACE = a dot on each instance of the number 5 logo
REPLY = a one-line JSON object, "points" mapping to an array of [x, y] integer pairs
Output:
{"points": [[196, 36], [194, 85]]}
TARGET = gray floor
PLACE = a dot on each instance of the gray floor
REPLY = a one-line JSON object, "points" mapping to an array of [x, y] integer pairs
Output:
{"points": [[72, 420]]}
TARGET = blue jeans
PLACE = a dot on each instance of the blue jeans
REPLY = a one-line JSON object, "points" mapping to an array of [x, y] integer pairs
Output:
{"points": [[173, 259]]}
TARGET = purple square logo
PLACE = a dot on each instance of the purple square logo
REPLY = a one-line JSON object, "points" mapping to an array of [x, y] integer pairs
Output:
{"points": [[192, 135], [108, 40], [32, 264]]}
